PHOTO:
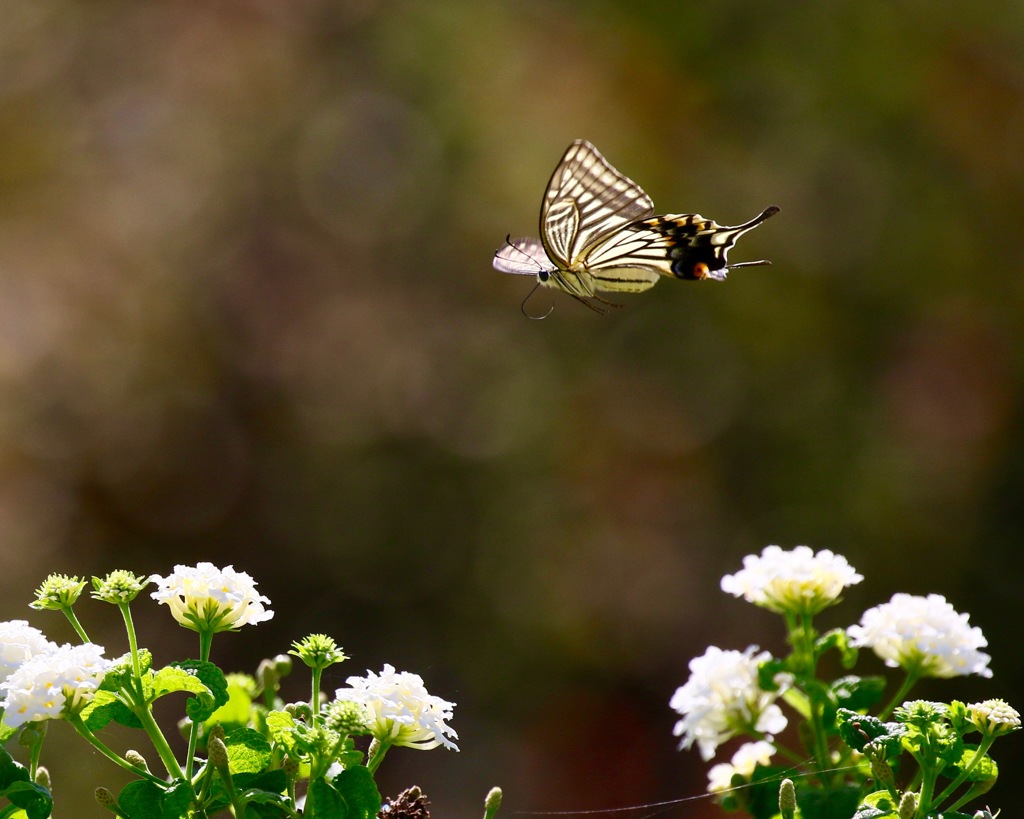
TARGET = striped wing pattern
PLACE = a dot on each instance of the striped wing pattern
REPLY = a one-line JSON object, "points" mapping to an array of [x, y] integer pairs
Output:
{"points": [[586, 200]]}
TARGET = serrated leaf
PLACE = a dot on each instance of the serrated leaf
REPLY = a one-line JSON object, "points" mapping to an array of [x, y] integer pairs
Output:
{"points": [[122, 673], [248, 750], [359, 791], [859, 730], [281, 727], [199, 709], [107, 707]]}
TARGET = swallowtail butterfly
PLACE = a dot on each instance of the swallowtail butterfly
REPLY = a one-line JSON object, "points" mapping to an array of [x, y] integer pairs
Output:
{"points": [[599, 233]]}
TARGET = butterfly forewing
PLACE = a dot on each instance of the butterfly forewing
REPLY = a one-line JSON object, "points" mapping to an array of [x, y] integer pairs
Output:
{"points": [[524, 257], [586, 200]]}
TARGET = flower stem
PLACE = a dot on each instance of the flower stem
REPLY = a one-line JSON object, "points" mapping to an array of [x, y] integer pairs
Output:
{"points": [[205, 644], [909, 682], [376, 754], [73, 619], [314, 698], [979, 754]]}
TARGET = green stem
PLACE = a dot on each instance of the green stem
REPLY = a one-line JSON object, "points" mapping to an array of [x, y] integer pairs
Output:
{"points": [[376, 755], [37, 749], [156, 736], [75, 624], [133, 643], [205, 644], [314, 699], [909, 682], [979, 755], [92, 739]]}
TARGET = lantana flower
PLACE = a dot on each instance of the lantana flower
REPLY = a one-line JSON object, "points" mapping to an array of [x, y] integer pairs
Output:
{"points": [[722, 698], [993, 717], [400, 710], [50, 684], [924, 635], [799, 581], [20, 642], [744, 762], [208, 599]]}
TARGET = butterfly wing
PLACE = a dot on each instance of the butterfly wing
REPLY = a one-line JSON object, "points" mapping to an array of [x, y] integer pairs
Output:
{"points": [[524, 257], [684, 246], [586, 200]]}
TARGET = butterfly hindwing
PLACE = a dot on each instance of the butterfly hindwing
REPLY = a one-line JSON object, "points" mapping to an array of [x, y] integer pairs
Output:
{"points": [[684, 246]]}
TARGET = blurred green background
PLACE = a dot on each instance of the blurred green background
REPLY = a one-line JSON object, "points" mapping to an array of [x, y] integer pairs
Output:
{"points": [[248, 315]]}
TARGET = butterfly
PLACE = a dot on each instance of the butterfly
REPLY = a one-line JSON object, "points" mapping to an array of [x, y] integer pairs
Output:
{"points": [[599, 233]]}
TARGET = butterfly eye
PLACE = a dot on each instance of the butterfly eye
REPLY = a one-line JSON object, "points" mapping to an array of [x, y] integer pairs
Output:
{"points": [[700, 271], [543, 275]]}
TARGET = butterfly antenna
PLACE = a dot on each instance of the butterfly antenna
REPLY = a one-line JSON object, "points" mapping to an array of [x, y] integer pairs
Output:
{"points": [[758, 263], [522, 307]]}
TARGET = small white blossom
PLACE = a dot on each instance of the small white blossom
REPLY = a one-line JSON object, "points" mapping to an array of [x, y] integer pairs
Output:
{"points": [[798, 581], [19, 642], [924, 635], [744, 762], [993, 717], [401, 711], [206, 598], [722, 698], [47, 685]]}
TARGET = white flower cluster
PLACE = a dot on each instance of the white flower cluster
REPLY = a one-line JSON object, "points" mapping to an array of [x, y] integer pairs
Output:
{"points": [[924, 635], [45, 686], [401, 711], [797, 581], [20, 642], [743, 763], [206, 598], [722, 698]]}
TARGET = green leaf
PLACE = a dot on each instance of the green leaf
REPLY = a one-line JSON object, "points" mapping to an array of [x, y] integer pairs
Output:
{"points": [[11, 770], [213, 678], [324, 802], [107, 707], [236, 711], [275, 781], [985, 771], [142, 799], [838, 640], [281, 727], [177, 800], [263, 803], [359, 791], [248, 750], [834, 803], [122, 674], [858, 693], [859, 730], [34, 799]]}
